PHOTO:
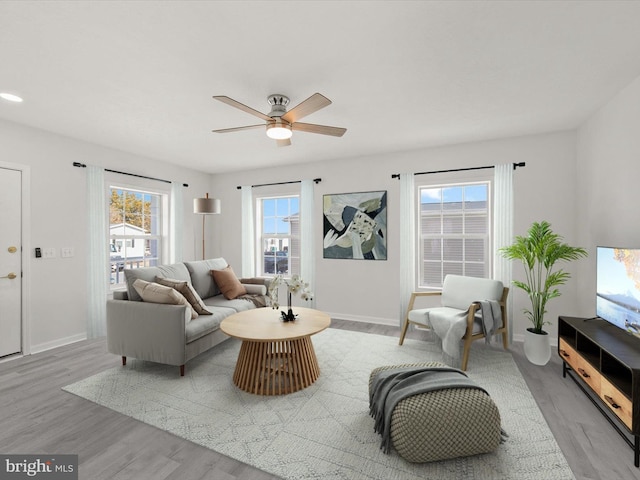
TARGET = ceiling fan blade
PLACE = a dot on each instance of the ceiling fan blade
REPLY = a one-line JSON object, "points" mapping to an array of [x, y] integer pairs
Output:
{"points": [[241, 106], [284, 143], [312, 104], [237, 129], [322, 129]]}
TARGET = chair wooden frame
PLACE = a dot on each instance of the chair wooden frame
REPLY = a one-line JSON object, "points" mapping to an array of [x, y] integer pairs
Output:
{"points": [[469, 336]]}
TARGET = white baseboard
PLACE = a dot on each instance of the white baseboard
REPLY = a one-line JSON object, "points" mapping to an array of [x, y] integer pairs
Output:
{"points": [[60, 342]]}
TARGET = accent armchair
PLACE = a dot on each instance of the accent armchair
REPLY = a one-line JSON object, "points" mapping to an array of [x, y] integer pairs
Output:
{"points": [[461, 299]]}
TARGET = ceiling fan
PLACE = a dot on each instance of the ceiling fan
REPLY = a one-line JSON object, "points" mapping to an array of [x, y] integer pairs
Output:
{"points": [[279, 122]]}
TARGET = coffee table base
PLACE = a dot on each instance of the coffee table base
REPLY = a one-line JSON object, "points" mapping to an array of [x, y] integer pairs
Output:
{"points": [[276, 367]]}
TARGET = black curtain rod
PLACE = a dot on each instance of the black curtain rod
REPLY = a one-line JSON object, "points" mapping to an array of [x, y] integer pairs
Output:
{"points": [[315, 180], [82, 165], [515, 165]]}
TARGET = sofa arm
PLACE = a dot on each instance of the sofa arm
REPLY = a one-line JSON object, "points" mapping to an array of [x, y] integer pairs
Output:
{"points": [[253, 289], [148, 331], [266, 281], [256, 285]]}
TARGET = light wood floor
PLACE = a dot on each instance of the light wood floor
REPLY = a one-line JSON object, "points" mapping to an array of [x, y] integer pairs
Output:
{"points": [[38, 417]]}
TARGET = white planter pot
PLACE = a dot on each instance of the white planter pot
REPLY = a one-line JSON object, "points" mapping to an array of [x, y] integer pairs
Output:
{"points": [[536, 347]]}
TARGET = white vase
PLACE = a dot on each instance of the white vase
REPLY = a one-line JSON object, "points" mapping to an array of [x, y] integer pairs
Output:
{"points": [[536, 347]]}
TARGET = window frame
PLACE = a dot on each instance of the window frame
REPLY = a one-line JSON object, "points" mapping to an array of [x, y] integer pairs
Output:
{"points": [[452, 182], [292, 237], [142, 186]]}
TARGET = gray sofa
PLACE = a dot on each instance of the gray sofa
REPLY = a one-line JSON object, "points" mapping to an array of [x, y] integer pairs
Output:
{"points": [[166, 333]]}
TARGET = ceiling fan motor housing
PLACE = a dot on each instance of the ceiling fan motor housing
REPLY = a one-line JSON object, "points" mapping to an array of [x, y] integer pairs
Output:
{"points": [[278, 104]]}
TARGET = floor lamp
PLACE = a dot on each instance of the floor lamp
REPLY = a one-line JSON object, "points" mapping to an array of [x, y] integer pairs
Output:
{"points": [[205, 206]]}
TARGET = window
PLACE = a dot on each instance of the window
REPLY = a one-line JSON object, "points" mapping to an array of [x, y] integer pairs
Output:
{"points": [[279, 227], [454, 232], [135, 230]]}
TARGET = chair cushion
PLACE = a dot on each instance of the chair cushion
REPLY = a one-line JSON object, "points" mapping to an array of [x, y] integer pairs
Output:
{"points": [[460, 292], [422, 315]]}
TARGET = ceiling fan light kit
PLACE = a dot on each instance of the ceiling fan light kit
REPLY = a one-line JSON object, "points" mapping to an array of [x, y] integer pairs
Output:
{"points": [[10, 97], [279, 130], [280, 123]]}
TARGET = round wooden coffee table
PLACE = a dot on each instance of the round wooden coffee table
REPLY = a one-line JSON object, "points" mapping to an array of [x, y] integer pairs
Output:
{"points": [[275, 357]]}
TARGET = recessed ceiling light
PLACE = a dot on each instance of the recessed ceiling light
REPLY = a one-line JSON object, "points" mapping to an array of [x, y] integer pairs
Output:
{"points": [[10, 97]]}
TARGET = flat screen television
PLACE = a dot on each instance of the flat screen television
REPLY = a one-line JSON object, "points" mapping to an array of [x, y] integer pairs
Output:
{"points": [[618, 287]]}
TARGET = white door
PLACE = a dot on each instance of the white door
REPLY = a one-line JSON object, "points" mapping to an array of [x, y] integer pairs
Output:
{"points": [[10, 261]]}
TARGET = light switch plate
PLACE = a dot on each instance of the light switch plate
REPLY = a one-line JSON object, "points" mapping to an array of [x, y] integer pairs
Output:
{"points": [[48, 253], [67, 252]]}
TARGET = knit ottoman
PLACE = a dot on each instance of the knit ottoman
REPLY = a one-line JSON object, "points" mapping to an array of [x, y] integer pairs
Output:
{"points": [[443, 424]]}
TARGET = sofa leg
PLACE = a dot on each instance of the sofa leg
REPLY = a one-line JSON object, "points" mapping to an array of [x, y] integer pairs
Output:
{"points": [[124, 361], [182, 370]]}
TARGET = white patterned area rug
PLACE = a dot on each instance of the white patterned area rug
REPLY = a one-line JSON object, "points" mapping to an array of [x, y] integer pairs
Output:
{"points": [[325, 431]]}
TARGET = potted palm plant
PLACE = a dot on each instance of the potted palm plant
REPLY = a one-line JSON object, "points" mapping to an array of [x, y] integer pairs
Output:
{"points": [[539, 251]]}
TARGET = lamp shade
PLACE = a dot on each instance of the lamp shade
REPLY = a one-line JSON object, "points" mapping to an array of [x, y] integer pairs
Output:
{"points": [[206, 206]]}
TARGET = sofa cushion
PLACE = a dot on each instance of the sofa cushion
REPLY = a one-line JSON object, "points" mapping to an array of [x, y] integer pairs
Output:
{"points": [[177, 270], [228, 283], [201, 278], [202, 326], [237, 304], [155, 293], [187, 290]]}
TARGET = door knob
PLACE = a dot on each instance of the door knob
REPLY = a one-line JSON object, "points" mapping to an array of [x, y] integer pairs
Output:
{"points": [[10, 276], [12, 249]]}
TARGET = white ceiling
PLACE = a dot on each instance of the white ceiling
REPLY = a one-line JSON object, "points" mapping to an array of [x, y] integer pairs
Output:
{"points": [[139, 75]]}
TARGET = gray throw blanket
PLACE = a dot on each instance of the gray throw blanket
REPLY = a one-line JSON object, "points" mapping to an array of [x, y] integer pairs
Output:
{"points": [[491, 318], [258, 300], [389, 387]]}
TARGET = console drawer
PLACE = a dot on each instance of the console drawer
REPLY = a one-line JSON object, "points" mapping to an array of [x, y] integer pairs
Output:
{"points": [[567, 353], [587, 372], [617, 402]]}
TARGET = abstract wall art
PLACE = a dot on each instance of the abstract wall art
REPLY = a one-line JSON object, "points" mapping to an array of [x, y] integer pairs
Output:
{"points": [[355, 225]]}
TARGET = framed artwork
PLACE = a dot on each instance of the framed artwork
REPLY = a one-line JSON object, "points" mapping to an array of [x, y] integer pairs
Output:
{"points": [[355, 225]]}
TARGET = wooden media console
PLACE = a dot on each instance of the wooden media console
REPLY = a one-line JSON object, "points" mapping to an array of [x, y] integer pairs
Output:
{"points": [[604, 361]]}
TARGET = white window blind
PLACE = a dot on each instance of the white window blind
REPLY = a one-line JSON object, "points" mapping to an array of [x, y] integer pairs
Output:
{"points": [[454, 232]]}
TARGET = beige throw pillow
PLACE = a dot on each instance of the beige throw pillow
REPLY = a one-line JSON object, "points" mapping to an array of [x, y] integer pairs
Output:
{"points": [[228, 283], [156, 293], [187, 290]]}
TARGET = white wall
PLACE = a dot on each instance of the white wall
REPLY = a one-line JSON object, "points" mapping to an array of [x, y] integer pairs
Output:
{"points": [[57, 287], [608, 155], [352, 289], [369, 290]]}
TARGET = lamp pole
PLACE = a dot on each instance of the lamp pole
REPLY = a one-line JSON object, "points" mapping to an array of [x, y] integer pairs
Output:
{"points": [[206, 206]]}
